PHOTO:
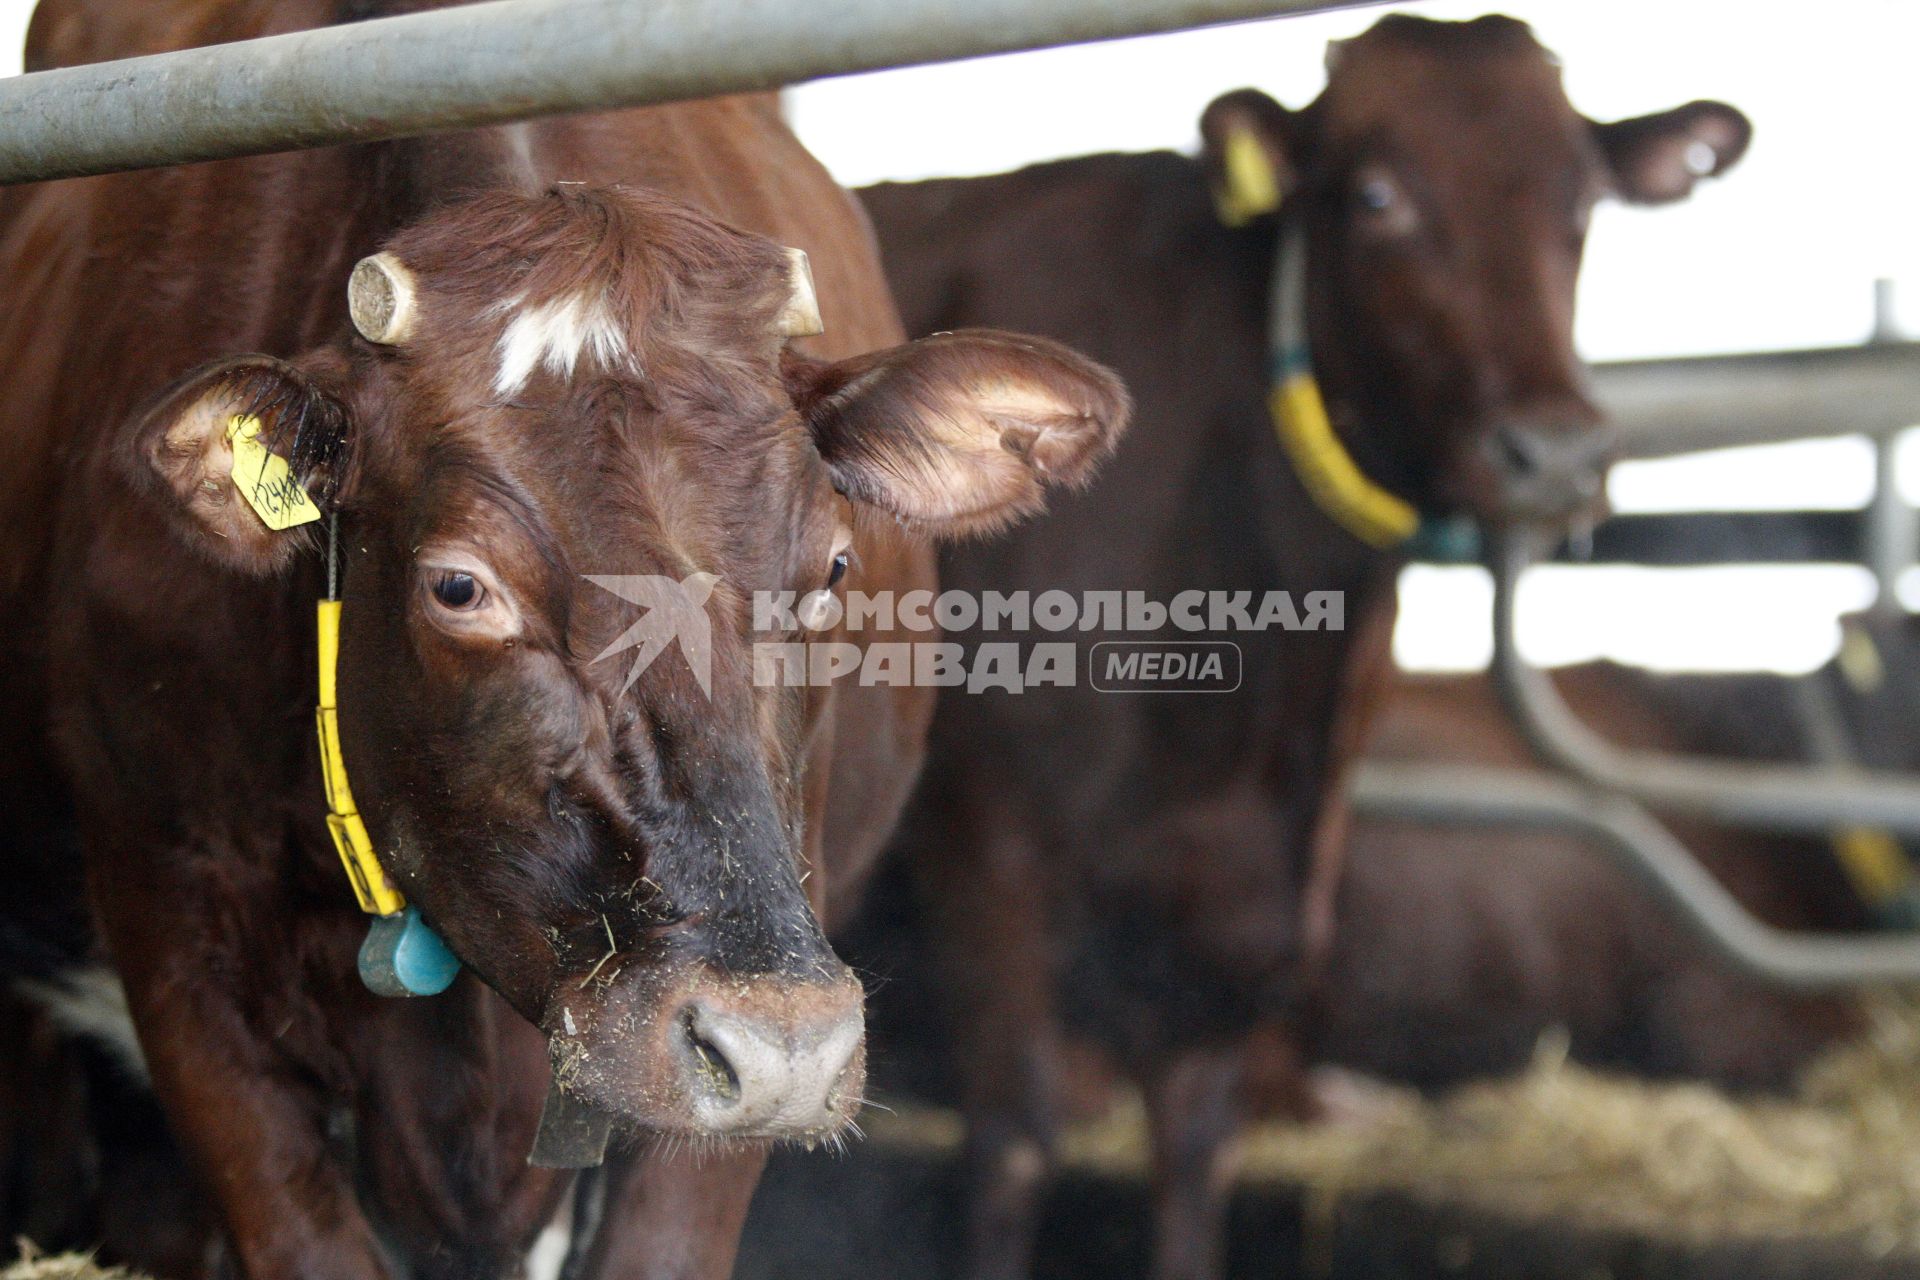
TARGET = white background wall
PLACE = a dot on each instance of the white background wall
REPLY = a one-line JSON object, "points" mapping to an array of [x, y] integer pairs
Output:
{"points": [[1780, 254]]}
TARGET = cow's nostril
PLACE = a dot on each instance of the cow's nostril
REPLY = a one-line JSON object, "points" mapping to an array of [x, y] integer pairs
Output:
{"points": [[718, 1074], [837, 1100], [752, 1064], [1516, 455]]}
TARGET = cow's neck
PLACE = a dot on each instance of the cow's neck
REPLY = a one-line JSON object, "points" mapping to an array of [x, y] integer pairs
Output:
{"points": [[1372, 417], [1365, 569]]}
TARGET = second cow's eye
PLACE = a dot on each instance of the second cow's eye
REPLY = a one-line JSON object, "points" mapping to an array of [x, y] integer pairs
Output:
{"points": [[1382, 207], [458, 590]]}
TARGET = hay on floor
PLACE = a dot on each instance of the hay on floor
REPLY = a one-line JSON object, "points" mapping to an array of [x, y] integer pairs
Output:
{"points": [[1840, 1158], [34, 1265]]}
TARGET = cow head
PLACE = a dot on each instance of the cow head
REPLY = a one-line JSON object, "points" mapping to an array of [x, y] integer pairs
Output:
{"points": [[1445, 185], [571, 421]]}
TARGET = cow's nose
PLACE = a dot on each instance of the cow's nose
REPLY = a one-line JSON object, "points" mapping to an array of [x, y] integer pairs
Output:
{"points": [[1525, 452], [770, 1062], [1550, 469]]}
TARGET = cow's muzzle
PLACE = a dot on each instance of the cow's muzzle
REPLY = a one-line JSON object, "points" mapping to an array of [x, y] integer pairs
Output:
{"points": [[713, 1054], [1549, 473]]}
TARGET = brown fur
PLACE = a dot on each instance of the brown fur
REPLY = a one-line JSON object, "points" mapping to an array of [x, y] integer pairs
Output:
{"points": [[1457, 947], [159, 660], [1155, 870]]}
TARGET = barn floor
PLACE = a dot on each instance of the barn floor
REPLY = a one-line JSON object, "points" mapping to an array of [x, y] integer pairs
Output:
{"points": [[889, 1213], [1560, 1173]]}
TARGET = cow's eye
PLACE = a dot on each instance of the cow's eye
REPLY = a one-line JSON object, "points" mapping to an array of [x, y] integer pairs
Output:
{"points": [[1381, 206], [456, 590], [839, 569], [459, 593]]}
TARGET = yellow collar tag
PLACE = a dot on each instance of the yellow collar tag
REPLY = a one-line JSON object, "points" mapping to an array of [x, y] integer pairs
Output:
{"points": [[1875, 863], [265, 480], [376, 893], [1859, 660], [1332, 478]]}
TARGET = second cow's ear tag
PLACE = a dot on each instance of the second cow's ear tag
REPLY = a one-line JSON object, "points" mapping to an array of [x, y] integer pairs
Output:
{"points": [[403, 956], [265, 480], [1250, 182]]}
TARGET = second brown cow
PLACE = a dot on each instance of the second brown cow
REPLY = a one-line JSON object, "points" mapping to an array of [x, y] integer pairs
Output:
{"points": [[1152, 869]]}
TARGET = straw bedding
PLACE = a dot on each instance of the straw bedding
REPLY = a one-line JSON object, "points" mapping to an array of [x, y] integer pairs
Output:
{"points": [[1838, 1159]]}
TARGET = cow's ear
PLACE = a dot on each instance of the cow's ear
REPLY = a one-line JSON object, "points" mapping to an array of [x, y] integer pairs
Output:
{"points": [[243, 453], [1249, 145], [961, 432], [1657, 159]]}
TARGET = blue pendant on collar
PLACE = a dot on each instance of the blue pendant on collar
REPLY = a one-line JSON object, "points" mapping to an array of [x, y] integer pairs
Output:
{"points": [[403, 956]]}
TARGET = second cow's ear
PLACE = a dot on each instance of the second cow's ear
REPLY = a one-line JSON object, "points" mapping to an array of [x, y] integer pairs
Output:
{"points": [[1658, 158], [961, 432], [1250, 151], [244, 451]]}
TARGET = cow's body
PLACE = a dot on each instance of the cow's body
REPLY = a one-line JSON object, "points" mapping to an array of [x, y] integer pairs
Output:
{"points": [[161, 705], [1457, 947], [442, 1096], [1130, 866], [1154, 868]]}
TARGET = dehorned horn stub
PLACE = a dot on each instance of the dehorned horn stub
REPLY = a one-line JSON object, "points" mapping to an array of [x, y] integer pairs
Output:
{"points": [[380, 298], [800, 318]]}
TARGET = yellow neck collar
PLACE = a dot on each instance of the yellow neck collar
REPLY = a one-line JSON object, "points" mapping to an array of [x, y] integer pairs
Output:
{"points": [[371, 886], [1249, 186], [1338, 487]]}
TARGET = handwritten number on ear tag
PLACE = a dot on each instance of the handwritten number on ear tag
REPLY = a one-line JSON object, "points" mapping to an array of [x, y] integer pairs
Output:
{"points": [[265, 480]]}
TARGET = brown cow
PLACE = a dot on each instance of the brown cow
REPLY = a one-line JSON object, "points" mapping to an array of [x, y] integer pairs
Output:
{"points": [[568, 358], [1142, 866], [1455, 947]]}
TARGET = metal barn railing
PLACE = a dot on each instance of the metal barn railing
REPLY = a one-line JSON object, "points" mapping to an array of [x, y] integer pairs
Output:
{"points": [[1602, 792], [1800, 799], [1501, 797], [517, 59]]}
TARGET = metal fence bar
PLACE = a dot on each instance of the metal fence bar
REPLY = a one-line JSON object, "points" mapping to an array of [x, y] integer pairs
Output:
{"points": [[1669, 406], [1893, 527], [1482, 795], [515, 59], [1796, 798]]}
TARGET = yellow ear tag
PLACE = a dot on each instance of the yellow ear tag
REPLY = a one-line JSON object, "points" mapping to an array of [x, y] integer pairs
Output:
{"points": [[265, 480], [1252, 185], [1859, 660]]}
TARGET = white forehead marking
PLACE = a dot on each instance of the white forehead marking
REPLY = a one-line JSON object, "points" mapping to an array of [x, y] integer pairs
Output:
{"points": [[557, 334]]}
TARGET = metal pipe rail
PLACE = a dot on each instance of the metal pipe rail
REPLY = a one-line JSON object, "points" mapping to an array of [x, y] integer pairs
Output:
{"points": [[1664, 407], [515, 59], [1484, 795], [1795, 798]]}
